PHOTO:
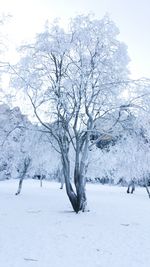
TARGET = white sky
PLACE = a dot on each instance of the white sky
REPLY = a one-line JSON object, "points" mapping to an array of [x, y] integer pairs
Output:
{"points": [[131, 16]]}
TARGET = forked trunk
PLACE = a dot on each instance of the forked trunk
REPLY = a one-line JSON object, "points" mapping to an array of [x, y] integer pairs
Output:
{"points": [[69, 189], [78, 198]]}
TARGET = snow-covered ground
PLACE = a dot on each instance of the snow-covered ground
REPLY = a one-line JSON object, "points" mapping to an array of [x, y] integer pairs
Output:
{"points": [[39, 229]]}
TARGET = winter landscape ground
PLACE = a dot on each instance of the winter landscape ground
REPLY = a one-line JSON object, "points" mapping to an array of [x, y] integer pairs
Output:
{"points": [[39, 229]]}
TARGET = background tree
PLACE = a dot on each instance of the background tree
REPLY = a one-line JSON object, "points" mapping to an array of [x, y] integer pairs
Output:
{"points": [[126, 160], [72, 78]]}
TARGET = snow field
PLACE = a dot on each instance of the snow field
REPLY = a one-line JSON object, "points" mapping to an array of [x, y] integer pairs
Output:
{"points": [[39, 229]]}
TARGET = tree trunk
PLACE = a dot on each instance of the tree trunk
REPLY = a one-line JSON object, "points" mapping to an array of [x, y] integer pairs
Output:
{"points": [[25, 168], [79, 181], [81, 196], [41, 180], [62, 181], [147, 190], [132, 185], [20, 186], [80, 172]]}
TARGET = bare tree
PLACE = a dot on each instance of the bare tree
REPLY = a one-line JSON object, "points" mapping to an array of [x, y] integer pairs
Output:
{"points": [[72, 79]]}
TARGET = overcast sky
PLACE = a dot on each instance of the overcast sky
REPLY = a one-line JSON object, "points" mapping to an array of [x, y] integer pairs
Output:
{"points": [[131, 16]]}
